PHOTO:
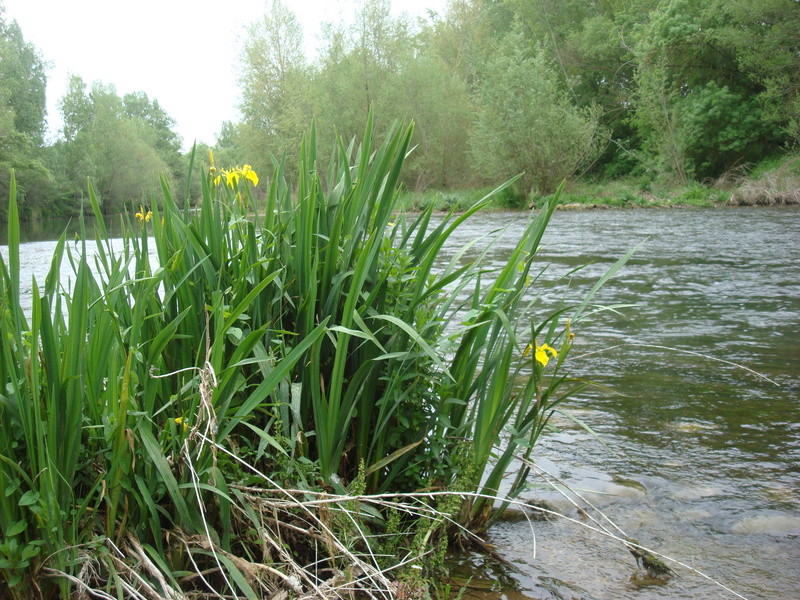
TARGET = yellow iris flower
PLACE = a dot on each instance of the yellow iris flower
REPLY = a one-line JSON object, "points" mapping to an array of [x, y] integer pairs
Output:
{"points": [[232, 176], [248, 173], [542, 354], [143, 217]]}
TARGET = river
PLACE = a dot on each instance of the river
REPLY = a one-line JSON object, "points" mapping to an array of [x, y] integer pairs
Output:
{"points": [[698, 457], [695, 405]]}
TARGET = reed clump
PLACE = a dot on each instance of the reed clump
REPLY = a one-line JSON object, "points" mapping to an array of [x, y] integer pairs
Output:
{"points": [[287, 398]]}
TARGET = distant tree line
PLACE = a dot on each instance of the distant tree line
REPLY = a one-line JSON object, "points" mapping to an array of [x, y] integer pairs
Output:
{"points": [[125, 144], [676, 90]]}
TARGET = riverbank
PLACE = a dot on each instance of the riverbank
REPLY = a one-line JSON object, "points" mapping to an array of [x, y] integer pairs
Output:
{"points": [[771, 183]]}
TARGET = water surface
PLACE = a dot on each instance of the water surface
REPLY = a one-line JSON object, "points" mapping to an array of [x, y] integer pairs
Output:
{"points": [[702, 456]]}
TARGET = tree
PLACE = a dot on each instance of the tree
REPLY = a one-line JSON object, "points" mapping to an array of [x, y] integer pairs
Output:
{"points": [[76, 108], [124, 144], [275, 86], [526, 122], [764, 37], [22, 119], [155, 127], [22, 74], [428, 92], [696, 110]]}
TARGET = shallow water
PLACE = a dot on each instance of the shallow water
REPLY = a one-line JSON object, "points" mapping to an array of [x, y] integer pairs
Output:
{"points": [[700, 460], [701, 455]]}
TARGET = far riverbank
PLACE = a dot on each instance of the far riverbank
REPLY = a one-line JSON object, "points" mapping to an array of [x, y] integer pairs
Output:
{"points": [[769, 184]]}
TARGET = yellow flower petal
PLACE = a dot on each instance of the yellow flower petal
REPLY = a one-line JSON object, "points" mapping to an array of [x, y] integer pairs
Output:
{"points": [[544, 353], [250, 174]]}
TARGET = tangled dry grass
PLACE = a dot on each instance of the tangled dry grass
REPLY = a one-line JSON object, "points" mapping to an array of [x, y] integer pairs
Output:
{"points": [[776, 187]]}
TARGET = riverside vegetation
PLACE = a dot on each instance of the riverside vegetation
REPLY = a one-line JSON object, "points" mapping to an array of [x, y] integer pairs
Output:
{"points": [[633, 102], [245, 400]]}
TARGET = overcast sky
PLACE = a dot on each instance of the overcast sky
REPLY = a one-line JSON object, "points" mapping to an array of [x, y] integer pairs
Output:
{"points": [[184, 53]]}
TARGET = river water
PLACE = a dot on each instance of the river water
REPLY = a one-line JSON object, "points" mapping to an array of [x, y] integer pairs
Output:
{"points": [[695, 405], [697, 458]]}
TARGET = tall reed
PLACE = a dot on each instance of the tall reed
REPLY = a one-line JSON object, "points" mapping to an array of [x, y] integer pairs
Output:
{"points": [[313, 339]]}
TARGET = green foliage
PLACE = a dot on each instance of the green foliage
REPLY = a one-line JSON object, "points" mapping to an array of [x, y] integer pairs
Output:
{"points": [[763, 36], [275, 81], [22, 114], [23, 81], [125, 144], [697, 111], [722, 128], [526, 122], [698, 195], [676, 91], [460, 200], [206, 353]]}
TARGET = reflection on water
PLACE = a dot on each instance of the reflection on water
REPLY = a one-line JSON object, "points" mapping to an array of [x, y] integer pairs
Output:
{"points": [[704, 466], [705, 453], [46, 231]]}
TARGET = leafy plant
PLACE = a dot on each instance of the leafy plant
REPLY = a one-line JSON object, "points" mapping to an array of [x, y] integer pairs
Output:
{"points": [[155, 411]]}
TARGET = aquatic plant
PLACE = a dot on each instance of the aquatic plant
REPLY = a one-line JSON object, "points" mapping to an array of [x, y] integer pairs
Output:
{"points": [[237, 399]]}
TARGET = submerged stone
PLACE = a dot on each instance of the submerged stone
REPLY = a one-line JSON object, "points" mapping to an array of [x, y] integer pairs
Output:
{"points": [[779, 525]]}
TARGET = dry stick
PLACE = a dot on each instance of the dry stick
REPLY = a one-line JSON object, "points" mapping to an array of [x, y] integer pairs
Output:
{"points": [[409, 560], [132, 592], [381, 499], [522, 504], [364, 538], [297, 503], [79, 583], [118, 557], [546, 474], [600, 529], [196, 487], [366, 567], [207, 416], [420, 511], [149, 590], [682, 351], [549, 478], [417, 510], [266, 536], [258, 566], [208, 381], [154, 571], [287, 558], [198, 571]]}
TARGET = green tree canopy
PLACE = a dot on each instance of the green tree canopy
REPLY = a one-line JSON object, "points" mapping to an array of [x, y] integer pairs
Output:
{"points": [[125, 144], [526, 121], [674, 89], [22, 117]]}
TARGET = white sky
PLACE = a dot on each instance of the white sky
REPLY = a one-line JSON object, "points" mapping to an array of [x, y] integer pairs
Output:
{"points": [[183, 53]]}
